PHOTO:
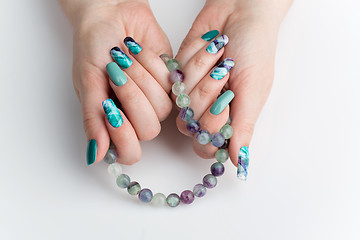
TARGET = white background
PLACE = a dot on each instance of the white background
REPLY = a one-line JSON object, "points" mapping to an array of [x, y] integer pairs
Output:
{"points": [[304, 170]]}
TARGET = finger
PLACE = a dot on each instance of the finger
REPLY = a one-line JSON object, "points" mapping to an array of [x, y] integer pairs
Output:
{"points": [[136, 106], [122, 134]]}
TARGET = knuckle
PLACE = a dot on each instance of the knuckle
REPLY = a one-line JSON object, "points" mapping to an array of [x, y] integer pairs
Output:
{"points": [[246, 128], [204, 91], [164, 110], [149, 133], [199, 62]]}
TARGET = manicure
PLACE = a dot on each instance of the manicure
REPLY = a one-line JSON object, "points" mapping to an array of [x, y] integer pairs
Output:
{"points": [[133, 46], [222, 69], [91, 152], [210, 35], [112, 113], [221, 103], [217, 44], [120, 57], [242, 169], [116, 75]]}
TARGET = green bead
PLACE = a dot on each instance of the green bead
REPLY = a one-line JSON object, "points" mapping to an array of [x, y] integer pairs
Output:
{"points": [[183, 100], [221, 155], [134, 188], [123, 181], [172, 65], [227, 131], [159, 199], [173, 200]]}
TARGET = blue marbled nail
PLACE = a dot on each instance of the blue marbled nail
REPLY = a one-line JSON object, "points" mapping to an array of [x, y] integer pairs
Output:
{"points": [[217, 44], [112, 113], [120, 57], [222, 69], [133, 46], [242, 170]]}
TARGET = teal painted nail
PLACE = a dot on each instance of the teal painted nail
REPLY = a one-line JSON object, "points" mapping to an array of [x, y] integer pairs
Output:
{"points": [[120, 57], [222, 101], [91, 152], [210, 35], [116, 74], [112, 113], [222, 69], [242, 169], [217, 44], [133, 46]]}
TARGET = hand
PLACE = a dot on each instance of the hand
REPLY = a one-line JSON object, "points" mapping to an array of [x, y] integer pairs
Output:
{"points": [[100, 25]]}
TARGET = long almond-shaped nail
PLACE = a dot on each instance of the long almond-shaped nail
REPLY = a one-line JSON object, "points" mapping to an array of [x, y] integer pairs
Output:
{"points": [[116, 75], [242, 169], [120, 57], [221, 103], [210, 35], [91, 152], [217, 44], [222, 69], [112, 113], [133, 46]]}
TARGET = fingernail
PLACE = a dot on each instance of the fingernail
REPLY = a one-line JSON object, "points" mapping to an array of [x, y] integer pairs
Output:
{"points": [[242, 169], [116, 75], [91, 152], [120, 57], [133, 46], [217, 44], [210, 35], [112, 113], [222, 69], [221, 103]]}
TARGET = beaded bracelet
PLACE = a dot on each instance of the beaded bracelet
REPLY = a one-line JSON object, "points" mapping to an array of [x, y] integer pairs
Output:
{"points": [[219, 139]]}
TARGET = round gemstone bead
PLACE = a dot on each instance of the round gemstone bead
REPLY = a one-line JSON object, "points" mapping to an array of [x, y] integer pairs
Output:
{"points": [[176, 76], [221, 155], [193, 126], [217, 169], [187, 196], [203, 136], [165, 57], [145, 195], [178, 88], [227, 131], [111, 156], [133, 188], [173, 200], [115, 169], [183, 100], [209, 181], [159, 199], [217, 139], [199, 190], [226, 144], [172, 64], [186, 114], [123, 181]]}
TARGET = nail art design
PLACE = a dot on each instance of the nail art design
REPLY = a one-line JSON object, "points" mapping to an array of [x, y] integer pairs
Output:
{"points": [[116, 75], [221, 103], [210, 35], [112, 113], [217, 44], [91, 152], [242, 170], [222, 69], [120, 57], [133, 46]]}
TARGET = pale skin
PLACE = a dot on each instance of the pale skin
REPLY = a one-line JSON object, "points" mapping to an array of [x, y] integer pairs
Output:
{"points": [[252, 27]]}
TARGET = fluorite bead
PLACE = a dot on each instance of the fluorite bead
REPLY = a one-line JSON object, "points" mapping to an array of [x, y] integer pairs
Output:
{"points": [[229, 120], [115, 169], [123, 181], [173, 200], [178, 88], [172, 64], [176, 76], [165, 57], [193, 126], [217, 139], [159, 199], [145, 195], [227, 131], [183, 100], [187, 196], [226, 144], [209, 181], [199, 190], [221, 155], [111, 156], [203, 136], [186, 114], [133, 188], [217, 169]]}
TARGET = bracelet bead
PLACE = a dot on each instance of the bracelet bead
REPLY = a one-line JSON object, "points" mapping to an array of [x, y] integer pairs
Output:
{"points": [[199, 190], [193, 126], [159, 199], [173, 200], [178, 88], [145, 195], [187, 197], [217, 169], [165, 57], [186, 114], [221, 155], [115, 169], [176, 76], [217, 139], [110, 156], [209, 181], [227, 131], [203, 136], [172, 64], [123, 181], [183, 100], [133, 188]]}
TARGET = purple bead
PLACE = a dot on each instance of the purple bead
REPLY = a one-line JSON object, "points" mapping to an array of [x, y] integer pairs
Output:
{"points": [[217, 139], [209, 181], [145, 195], [187, 196], [193, 126], [226, 144], [186, 114], [199, 190], [217, 169], [176, 76]]}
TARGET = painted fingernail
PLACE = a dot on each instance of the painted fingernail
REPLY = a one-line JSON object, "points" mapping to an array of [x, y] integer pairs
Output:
{"points": [[91, 152], [221, 103], [116, 75], [112, 113], [222, 69], [133, 46], [217, 44], [210, 35], [120, 57], [242, 169]]}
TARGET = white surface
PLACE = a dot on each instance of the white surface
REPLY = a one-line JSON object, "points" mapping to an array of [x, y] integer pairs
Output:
{"points": [[303, 181]]}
